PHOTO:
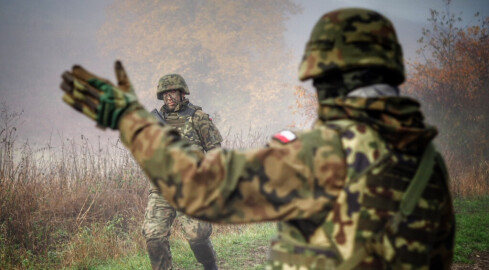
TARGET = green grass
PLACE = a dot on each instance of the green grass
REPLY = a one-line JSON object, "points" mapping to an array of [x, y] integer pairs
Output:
{"points": [[243, 248], [136, 261], [237, 247], [472, 227], [246, 248]]}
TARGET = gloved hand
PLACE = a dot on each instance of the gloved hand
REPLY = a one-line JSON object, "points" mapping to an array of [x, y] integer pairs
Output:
{"points": [[96, 97]]}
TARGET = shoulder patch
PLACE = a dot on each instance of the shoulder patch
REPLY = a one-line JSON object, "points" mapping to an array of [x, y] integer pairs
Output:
{"points": [[285, 136]]}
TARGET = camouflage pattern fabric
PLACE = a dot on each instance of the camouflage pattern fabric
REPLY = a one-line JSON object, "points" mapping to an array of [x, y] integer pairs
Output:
{"points": [[353, 38], [333, 187], [159, 217], [98, 98], [194, 124], [171, 82], [198, 130], [337, 188]]}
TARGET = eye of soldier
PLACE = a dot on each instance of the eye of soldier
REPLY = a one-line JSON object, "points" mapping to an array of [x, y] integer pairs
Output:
{"points": [[170, 92]]}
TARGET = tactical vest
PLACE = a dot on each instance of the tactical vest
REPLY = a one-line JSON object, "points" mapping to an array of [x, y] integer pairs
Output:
{"points": [[383, 223], [183, 121]]}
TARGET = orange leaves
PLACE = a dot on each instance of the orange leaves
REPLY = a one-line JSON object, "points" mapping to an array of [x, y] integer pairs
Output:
{"points": [[231, 53], [306, 105], [453, 84]]}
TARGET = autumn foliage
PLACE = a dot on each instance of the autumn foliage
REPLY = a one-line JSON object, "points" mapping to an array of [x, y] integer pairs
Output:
{"points": [[305, 106], [232, 54], [452, 84], [451, 81]]}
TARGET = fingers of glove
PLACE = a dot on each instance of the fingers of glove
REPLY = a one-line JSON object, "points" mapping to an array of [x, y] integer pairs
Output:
{"points": [[70, 84], [122, 79], [81, 73], [67, 83], [79, 106], [86, 99], [87, 88], [66, 86]]}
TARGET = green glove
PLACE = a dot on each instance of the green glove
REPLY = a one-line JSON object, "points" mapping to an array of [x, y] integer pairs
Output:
{"points": [[96, 97]]}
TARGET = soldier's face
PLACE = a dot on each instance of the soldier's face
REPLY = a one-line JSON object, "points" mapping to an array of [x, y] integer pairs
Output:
{"points": [[171, 98]]}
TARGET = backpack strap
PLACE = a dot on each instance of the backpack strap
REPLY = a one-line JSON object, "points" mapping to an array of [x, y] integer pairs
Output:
{"points": [[409, 201]]}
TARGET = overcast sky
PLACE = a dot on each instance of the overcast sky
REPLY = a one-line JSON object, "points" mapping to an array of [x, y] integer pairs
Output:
{"points": [[40, 39]]}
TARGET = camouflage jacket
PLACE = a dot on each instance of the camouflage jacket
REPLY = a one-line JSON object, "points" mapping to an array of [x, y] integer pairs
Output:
{"points": [[333, 188], [194, 125]]}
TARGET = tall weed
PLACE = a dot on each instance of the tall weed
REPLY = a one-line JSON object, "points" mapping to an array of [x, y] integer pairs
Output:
{"points": [[77, 203]]}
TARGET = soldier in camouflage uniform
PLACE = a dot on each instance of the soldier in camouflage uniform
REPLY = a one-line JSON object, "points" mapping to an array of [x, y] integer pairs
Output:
{"points": [[363, 189], [196, 128]]}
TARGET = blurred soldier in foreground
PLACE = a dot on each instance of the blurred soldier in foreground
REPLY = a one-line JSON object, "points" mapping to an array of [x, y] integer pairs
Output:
{"points": [[197, 129], [364, 189]]}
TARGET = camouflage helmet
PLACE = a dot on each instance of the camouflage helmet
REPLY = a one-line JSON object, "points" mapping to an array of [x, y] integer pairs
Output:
{"points": [[171, 82], [351, 38]]}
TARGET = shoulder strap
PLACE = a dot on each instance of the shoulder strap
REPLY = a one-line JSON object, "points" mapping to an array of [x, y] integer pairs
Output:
{"points": [[187, 111], [419, 182]]}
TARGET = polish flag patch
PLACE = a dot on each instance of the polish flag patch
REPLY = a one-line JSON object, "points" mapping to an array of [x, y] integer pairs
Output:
{"points": [[285, 136]]}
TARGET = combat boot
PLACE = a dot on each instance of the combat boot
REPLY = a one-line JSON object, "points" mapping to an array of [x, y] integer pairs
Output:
{"points": [[204, 253], [159, 253]]}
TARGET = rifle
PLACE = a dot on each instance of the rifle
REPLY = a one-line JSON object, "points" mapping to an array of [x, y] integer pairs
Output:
{"points": [[158, 116]]}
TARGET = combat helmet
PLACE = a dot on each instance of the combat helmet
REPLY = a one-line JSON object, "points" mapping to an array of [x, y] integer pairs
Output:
{"points": [[171, 82], [352, 38]]}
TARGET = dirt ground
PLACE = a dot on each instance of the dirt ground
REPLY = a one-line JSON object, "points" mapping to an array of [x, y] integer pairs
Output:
{"points": [[481, 262]]}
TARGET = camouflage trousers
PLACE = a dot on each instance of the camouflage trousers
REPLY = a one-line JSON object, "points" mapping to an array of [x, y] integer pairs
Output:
{"points": [[159, 218]]}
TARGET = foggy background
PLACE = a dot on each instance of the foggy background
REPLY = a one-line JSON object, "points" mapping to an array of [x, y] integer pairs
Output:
{"points": [[239, 58]]}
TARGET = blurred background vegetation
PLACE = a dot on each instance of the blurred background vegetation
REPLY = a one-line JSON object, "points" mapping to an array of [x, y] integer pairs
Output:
{"points": [[79, 204]]}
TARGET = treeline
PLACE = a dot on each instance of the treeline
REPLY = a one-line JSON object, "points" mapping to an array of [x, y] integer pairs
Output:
{"points": [[452, 83]]}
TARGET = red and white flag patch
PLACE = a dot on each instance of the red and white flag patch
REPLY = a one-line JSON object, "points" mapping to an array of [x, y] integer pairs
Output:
{"points": [[285, 136]]}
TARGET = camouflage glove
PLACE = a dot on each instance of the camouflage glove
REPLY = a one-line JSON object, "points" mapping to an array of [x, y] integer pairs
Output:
{"points": [[96, 97]]}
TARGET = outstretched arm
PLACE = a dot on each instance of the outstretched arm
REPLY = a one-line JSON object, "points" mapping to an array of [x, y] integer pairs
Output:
{"points": [[283, 181], [270, 183]]}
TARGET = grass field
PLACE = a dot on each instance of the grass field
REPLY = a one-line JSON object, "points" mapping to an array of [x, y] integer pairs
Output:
{"points": [[245, 247], [80, 206], [472, 227], [118, 243]]}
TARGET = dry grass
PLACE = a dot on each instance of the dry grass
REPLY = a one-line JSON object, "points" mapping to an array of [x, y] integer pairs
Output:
{"points": [[73, 203], [468, 180], [50, 201]]}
